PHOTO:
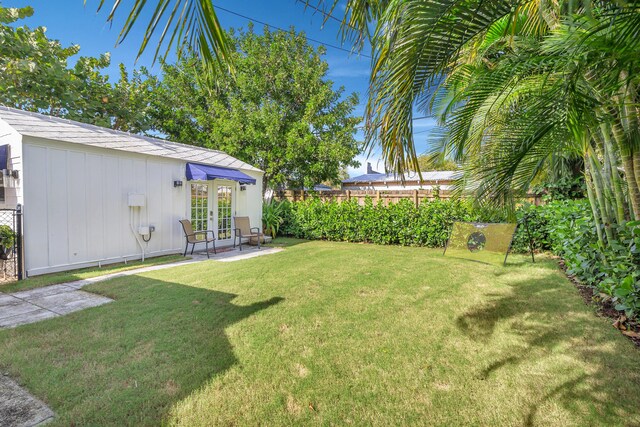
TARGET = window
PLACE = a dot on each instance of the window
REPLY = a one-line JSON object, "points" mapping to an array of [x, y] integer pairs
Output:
{"points": [[199, 207], [224, 212]]}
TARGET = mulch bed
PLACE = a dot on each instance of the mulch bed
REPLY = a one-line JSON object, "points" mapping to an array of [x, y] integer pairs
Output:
{"points": [[605, 308]]}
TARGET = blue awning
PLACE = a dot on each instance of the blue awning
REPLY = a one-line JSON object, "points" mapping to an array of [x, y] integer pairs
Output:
{"points": [[199, 172], [4, 156]]}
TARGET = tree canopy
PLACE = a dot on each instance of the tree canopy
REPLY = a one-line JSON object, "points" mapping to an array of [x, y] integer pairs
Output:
{"points": [[277, 111], [35, 74]]}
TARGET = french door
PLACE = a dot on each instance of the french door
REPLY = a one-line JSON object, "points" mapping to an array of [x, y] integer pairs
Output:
{"points": [[200, 212], [212, 208], [224, 211]]}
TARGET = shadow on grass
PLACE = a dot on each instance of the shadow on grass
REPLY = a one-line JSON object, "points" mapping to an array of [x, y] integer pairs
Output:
{"points": [[129, 361], [560, 321]]}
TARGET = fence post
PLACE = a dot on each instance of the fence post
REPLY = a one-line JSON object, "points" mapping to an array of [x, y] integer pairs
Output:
{"points": [[377, 196], [19, 239], [302, 195], [415, 198]]}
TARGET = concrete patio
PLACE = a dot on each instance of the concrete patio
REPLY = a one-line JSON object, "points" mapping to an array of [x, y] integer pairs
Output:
{"points": [[30, 306]]}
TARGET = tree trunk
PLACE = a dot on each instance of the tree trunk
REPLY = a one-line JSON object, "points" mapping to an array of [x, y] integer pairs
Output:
{"points": [[636, 171], [597, 186], [615, 177], [628, 147], [592, 201], [628, 164], [265, 181], [632, 183]]}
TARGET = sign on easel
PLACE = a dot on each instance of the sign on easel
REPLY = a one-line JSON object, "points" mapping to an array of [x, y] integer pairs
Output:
{"points": [[481, 241]]}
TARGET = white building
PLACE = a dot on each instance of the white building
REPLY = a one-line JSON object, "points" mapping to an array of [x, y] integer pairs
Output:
{"points": [[92, 195], [377, 181]]}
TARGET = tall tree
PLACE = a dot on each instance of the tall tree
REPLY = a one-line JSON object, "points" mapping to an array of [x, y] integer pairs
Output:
{"points": [[132, 107], [35, 74], [516, 103], [277, 111], [526, 80]]}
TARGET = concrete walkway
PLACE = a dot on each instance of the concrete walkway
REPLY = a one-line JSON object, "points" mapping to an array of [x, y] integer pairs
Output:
{"points": [[38, 304], [21, 308]]}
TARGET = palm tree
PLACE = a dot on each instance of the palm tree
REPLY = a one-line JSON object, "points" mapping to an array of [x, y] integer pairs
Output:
{"points": [[469, 57], [557, 94], [190, 24], [515, 82]]}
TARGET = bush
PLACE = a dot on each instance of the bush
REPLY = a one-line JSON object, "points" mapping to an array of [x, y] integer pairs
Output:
{"points": [[399, 223], [7, 236], [567, 229], [272, 217]]}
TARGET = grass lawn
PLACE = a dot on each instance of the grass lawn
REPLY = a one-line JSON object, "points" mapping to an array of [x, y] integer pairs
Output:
{"points": [[84, 273], [333, 334]]}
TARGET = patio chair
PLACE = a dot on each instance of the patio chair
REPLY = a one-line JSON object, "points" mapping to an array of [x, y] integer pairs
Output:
{"points": [[192, 239], [244, 230]]}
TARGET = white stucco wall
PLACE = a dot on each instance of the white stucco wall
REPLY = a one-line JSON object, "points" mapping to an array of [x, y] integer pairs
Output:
{"points": [[76, 211], [249, 201]]}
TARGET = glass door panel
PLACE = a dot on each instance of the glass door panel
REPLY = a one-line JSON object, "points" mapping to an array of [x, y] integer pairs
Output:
{"points": [[224, 212], [199, 207]]}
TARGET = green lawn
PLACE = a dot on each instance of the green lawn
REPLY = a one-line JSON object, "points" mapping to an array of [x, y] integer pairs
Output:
{"points": [[333, 334]]}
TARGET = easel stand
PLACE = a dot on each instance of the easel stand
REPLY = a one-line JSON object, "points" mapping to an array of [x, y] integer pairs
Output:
{"points": [[526, 228]]}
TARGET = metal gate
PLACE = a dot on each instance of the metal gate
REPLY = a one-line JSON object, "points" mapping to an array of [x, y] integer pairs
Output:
{"points": [[11, 244]]}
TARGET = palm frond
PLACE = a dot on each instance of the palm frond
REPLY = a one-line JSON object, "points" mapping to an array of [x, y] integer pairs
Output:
{"points": [[187, 24]]}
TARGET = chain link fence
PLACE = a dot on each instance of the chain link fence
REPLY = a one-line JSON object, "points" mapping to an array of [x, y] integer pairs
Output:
{"points": [[10, 245]]}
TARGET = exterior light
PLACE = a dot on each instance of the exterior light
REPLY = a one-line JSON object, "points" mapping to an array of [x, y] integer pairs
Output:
{"points": [[10, 178]]}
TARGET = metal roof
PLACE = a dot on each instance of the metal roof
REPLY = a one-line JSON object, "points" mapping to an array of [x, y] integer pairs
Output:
{"points": [[57, 129], [409, 176]]}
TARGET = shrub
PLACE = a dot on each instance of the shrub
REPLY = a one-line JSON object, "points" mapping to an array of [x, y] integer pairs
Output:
{"points": [[567, 229], [272, 217], [399, 223], [7, 236]]}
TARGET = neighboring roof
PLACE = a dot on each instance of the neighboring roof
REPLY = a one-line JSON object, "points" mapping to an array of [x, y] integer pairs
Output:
{"points": [[54, 128], [321, 187], [410, 176]]}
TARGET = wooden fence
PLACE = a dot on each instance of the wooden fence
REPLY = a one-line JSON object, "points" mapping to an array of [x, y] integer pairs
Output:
{"points": [[386, 196]]}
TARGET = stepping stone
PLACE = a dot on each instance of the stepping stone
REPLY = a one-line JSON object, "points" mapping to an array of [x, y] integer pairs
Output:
{"points": [[5, 298], [14, 307], [34, 305], [81, 303], [68, 302], [23, 319], [18, 407], [41, 292]]}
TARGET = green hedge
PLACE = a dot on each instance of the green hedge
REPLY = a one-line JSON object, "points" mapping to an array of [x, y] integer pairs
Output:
{"points": [[563, 227], [397, 224]]}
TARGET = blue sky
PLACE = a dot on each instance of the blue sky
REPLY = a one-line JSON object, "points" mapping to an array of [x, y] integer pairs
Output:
{"points": [[71, 22]]}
